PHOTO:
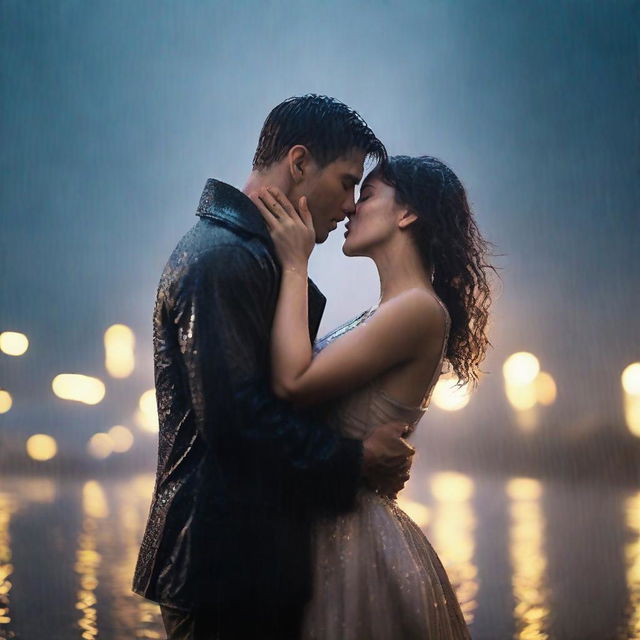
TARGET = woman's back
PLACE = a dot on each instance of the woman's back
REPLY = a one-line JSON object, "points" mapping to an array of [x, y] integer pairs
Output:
{"points": [[359, 412]]}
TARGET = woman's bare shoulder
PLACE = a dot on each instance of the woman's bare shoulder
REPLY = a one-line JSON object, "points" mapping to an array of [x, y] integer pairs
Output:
{"points": [[415, 312]]}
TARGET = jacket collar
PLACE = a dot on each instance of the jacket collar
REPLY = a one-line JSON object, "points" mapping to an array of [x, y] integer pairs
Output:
{"points": [[221, 201]]}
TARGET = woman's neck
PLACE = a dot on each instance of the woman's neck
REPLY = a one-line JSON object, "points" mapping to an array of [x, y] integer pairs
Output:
{"points": [[400, 269]]}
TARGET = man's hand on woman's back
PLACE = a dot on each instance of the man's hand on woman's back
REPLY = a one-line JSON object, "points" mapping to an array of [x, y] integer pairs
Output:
{"points": [[387, 458]]}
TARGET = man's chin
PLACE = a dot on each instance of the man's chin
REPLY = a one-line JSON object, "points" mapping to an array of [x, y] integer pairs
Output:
{"points": [[321, 238]]}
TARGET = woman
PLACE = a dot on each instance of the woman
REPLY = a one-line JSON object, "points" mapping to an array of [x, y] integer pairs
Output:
{"points": [[375, 574]]}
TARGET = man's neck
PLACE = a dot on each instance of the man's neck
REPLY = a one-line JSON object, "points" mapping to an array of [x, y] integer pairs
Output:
{"points": [[259, 179]]}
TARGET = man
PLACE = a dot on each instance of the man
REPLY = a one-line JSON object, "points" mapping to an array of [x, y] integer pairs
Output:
{"points": [[241, 473]]}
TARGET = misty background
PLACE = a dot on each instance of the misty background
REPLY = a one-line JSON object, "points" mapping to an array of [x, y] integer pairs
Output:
{"points": [[114, 114]]}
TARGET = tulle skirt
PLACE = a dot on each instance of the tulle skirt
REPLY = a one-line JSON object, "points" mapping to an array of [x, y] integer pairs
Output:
{"points": [[377, 577]]}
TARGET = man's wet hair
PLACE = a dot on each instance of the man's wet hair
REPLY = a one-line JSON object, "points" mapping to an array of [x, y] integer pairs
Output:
{"points": [[328, 128]]}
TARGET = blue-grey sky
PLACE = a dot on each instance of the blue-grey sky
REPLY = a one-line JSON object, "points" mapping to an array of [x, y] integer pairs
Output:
{"points": [[115, 113]]}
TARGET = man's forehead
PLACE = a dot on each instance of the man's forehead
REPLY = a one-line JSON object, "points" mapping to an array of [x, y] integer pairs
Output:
{"points": [[352, 164]]}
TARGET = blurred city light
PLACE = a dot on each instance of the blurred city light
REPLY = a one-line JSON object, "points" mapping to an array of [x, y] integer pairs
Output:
{"points": [[631, 379], [147, 415], [94, 500], [632, 413], [520, 368], [451, 487], [449, 397], [6, 401], [13, 343], [525, 385], [121, 438], [79, 388], [521, 396], [418, 512], [100, 445], [523, 489], [41, 447], [119, 343], [546, 389]]}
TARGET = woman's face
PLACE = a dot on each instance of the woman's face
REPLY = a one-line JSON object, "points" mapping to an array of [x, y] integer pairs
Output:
{"points": [[375, 219]]}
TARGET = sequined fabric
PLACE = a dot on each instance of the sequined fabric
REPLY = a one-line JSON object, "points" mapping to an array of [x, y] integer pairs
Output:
{"points": [[376, 576]]}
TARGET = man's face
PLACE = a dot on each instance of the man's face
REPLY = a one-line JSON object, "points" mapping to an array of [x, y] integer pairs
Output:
{"points": [[330, 191]]}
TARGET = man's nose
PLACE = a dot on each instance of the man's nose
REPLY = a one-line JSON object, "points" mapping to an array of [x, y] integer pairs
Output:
{"points": [[348, 211]]}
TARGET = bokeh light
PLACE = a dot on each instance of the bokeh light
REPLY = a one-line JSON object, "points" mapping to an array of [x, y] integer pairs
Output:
{"points": [[631, 379], [79, 388], [100, 445], [524, 489], [121, 438], [6, 401], [119, 343], [632, 413], [446, 395], [521, 396], [147, 415], [520, 368], [13, 343], [450, 486], [546, 389], [418, 512], [94, 500], [41, 447], [525, 385]]}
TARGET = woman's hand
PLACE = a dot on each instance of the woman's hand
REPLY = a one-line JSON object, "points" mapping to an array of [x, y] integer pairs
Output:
{"points": [[292, 233]]}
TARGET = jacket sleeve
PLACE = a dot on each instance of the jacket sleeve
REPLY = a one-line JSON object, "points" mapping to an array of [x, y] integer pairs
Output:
{"points": [[224, 314]]}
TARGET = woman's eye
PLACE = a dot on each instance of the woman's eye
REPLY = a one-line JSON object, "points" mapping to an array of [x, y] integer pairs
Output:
{"points": [[362, 198]]}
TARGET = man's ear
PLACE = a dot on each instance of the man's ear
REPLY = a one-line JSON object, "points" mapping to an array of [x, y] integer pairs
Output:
{"points": [[298, 159], [407, 218]]}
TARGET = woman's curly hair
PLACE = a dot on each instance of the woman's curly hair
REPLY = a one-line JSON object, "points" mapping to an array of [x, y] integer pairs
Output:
{"points": [[450, 243]]}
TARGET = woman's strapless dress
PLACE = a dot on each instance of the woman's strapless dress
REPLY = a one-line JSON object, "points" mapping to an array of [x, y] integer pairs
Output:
{"points": [[376, 576]]}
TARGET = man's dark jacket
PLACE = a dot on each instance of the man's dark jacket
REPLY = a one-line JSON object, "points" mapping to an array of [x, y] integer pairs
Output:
{"points": [[240, 473]]}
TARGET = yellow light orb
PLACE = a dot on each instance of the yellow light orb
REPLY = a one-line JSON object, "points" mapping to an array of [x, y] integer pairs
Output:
{"points": [[631, 379], [147, 416], [521, 396], [524, 489], [41, 447], [6, 402], [121, 438], [79, 388], [451, 487], [415, 510], [119, 343], [449, 397], [632, 413], [520, 368], [13, 343], [546, 389], [100, 445]]}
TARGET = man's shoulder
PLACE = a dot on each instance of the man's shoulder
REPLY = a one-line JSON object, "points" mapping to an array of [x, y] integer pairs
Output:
{"points": [[219, 252], [212, 240]]}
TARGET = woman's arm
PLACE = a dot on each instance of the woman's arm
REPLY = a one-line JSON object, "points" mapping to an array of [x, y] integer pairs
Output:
{"points": [[393, 335]]}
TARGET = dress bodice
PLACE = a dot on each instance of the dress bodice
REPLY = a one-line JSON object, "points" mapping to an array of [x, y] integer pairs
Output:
{"points": [[359, 412]]}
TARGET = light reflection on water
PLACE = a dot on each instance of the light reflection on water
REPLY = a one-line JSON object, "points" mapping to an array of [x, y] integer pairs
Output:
{"points": [[528, 559], [89, 531]]}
